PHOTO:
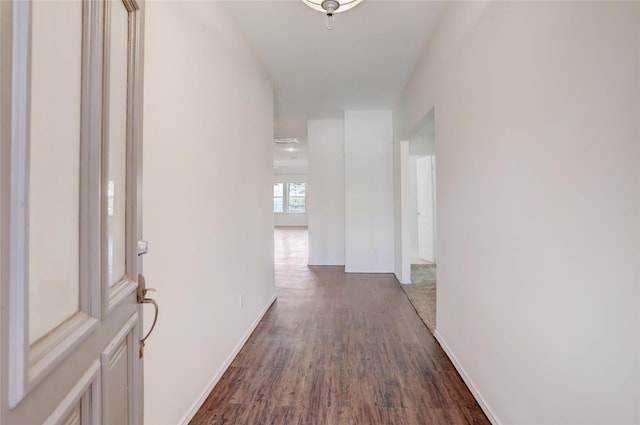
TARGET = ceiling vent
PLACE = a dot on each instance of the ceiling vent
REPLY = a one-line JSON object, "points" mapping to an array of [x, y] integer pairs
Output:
{"points": [[286, 141]]}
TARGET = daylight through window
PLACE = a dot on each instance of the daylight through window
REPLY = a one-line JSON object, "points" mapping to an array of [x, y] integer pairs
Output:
{"points": [[278, 197], [289, 198], [296, 199]]}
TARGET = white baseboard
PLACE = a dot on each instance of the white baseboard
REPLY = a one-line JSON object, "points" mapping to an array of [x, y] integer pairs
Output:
{"points": [[203, 397], [474, 391], [399, 279]]}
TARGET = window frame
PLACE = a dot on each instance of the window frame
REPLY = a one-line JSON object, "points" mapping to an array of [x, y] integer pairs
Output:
{"points": [[286, 196], [280, 197], [304, 197]]}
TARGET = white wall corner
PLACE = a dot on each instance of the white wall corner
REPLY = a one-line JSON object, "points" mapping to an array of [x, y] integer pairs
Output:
{"points": [[467, 380], [216, 378], [369, 187]]}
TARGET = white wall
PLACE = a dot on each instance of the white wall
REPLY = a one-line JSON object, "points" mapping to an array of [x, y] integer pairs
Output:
{"points": [[369, 197], [208, 121], [538, 148], [325, 196], [423, 140], [284, 219], [402, 203]]}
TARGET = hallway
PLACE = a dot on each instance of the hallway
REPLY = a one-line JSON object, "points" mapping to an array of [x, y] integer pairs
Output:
{"points": [[340, 349]]}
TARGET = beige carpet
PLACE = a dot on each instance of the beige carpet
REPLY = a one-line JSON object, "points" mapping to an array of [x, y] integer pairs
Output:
{"points": [[422, 293]]}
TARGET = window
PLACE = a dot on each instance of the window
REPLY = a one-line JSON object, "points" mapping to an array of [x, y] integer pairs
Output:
{"points": [[289, 198], [278, 197], [296, 198]]}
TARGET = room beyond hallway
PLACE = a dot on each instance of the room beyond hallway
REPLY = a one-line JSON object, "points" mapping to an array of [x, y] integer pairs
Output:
{"points": [[340, 349], [422, 292], [291, 247]]}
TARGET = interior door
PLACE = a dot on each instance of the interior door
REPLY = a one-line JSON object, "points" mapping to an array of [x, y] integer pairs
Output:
{"points": [[425, 190], [71, 108]]}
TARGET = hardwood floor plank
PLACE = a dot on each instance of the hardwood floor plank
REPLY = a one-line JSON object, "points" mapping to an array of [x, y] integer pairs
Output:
{"points": [[284, 415], [339, 349], [222, 415], [293, 388]]}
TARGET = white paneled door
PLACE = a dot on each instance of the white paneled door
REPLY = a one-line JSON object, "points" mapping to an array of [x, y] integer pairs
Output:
{"points": [[70, 228], [426, 211]]}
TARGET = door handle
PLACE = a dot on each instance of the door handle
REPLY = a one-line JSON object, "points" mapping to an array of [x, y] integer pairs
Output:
{"points": [[143, 299]]}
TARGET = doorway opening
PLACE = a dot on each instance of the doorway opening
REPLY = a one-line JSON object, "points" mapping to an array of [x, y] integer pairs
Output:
{"points": [[419, 253], [422, 195], [291, 235], [290, 177]]}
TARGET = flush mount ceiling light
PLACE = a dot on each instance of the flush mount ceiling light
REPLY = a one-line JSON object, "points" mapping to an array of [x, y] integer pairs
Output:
{"points": [[286, 141], [330, 7]]}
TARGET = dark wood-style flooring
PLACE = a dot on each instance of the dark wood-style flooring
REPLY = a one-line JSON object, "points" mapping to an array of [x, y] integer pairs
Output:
{"points": [[339, 349]]}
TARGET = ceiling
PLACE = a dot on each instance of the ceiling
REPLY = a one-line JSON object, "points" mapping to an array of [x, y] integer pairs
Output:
{"points": [[363, 63]]}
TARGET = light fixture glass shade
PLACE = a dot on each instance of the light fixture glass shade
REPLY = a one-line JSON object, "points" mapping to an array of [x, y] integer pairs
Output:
{"points": [[344, 5]]}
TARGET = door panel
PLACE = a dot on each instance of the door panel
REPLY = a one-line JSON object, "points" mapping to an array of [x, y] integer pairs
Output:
{"points": [[54, 180], [118, 406], [119, 363], [82, 403], [71, 128], [426, 234], [74, 418]]}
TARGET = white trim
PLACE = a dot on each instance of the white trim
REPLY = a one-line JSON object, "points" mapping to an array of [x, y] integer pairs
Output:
{"points": [[90, 377], [120, 292], [137, 117], [91, 151], [75, 417], [48, 352], [467, 380], [120, 336], [18, 305], [203, 397], [112, 296], [434, 195]]}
